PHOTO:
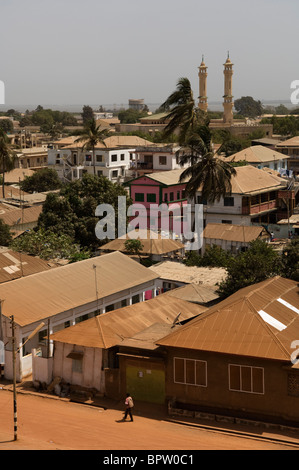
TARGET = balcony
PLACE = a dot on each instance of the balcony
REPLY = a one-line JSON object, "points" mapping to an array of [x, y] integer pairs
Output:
{"points": [[258, 208]]}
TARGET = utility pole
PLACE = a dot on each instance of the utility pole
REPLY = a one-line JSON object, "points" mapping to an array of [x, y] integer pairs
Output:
{"points": [[14, 379]]}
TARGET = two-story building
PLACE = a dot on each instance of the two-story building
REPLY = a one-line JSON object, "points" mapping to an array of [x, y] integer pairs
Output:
{"points": [[158, 157], [257, 197], [290, 147], [261, 157], [111, 159], [157, 189]]}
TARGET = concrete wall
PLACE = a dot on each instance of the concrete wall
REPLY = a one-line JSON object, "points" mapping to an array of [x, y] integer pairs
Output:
{"points": [[42, 368], [92, 375]]}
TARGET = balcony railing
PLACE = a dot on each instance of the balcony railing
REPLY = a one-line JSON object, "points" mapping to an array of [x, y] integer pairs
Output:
{"points": [[257, 208]]}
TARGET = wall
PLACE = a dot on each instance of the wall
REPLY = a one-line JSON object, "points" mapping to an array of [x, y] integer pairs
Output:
{"points": [[42, 368], [216, 396], [91, 376]]}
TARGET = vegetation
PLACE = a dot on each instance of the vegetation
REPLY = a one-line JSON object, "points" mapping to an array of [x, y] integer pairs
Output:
{"points": [[287, 125], [248, 107], [87, 114], [46, 244], [47, 118], [5, 234], [45, 179], [72, 211], [134, 247], [131, 116], [7, 158], [91, 136]]}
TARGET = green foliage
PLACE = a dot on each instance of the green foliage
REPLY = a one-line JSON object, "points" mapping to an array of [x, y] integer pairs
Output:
{"points": [[130, 116], [256, 264], [214, 256], [6, 125], [133, 246], [46, 118], [45, 179], [288, 125], [46, 244], [72, 211], [290, 260], [247, 106], [87, 114], [5, 234]]}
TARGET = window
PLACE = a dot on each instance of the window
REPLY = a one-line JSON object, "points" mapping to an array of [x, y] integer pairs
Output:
{"points": [[99, 158], [87, 158], [42, 336], [162, 160], [114, 158], [183, 194], [135, 299], [122, 156], [190, 371], [114, 173], [124, 303], [171, 196], [139, 197], [77, 365], [246, 379], [178, 195], [81, 318], [151, 197], [100, 172], [226, 221], [229, 201], [110, 308]]}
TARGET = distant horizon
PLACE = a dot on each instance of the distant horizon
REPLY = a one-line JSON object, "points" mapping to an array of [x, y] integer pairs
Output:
{"points": [[215, 106]]}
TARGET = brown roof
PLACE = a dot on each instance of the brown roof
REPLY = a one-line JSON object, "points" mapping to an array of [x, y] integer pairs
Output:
{"points": [[256, 154], [231, 232], [111, 328], [21, 216], [114, 141], [14, 265], [153, 243], [194, 293], [48, 293], [17, 174], [179, 272], [258, 321], [293, 142]]}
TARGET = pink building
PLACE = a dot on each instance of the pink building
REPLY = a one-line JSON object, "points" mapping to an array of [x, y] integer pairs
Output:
{"points": [[156, 189]]}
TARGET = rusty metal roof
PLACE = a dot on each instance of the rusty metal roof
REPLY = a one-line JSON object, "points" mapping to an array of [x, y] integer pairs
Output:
{"points": [[112, 328], [232, 232], [57, 290], [258, 321]]}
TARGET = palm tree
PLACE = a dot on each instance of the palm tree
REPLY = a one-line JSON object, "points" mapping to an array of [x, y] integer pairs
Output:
{"points": [[91, 136], [182, 112], [206, 173], [7, 158]]}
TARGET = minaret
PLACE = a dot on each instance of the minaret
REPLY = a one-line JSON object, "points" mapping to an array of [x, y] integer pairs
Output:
{"points": [[228, 97], [202, 74]]}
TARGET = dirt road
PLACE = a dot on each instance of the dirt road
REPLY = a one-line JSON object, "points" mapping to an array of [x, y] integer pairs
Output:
{"points": [[45, 423]]}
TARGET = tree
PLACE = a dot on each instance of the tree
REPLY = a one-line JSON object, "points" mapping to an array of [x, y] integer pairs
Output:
{"points": [[46, 244], [54, 129], [5, 234], [257, 264], [7, 158], [133, 246], [72, 211], [290, 260], [207, 173], [91, 136], [182, 113], [130, 116], [45, 179], [247, 106], [6, 125], [87, 114], [214, 256]]}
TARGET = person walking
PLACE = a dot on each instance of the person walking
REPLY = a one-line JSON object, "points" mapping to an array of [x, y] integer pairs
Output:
{"points": [[129, 407]]}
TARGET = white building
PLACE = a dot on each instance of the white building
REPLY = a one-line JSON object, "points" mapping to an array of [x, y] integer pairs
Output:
{"points": [[113, 159], [64, 296], [261, 157]]}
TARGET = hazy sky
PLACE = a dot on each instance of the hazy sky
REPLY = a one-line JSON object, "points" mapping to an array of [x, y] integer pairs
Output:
{"points": [[95, 52]]}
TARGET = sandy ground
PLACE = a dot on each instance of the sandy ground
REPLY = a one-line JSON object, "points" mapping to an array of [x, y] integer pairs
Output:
{"points": [[46, 423]]}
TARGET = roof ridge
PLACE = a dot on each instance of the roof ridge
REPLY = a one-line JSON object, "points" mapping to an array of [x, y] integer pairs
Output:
{"points": [[265, 326], [99, 326]]}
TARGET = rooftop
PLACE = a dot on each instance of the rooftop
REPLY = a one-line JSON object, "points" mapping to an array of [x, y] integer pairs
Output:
{"points": [[258, 321], [256, 154], [60, 289], [114, 328], [232, 232]]}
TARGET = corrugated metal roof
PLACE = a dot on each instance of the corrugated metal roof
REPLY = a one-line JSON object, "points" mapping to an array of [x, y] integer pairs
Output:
{"points": [[231, 232], [174, 271], [237, 324], [15, 265], [153, 243], [45, 294], [21, 216], [256, 154], [111, 328], [194, 293]]}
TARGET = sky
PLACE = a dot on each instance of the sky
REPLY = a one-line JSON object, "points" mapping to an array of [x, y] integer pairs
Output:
{"points": [[96, 52]]}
